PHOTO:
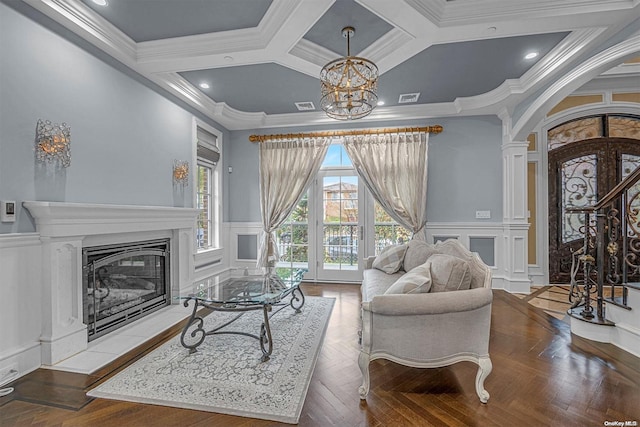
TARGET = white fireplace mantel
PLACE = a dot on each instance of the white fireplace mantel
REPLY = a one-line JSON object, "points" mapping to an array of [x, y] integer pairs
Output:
{"points": [[65, 228], [60, 219]]}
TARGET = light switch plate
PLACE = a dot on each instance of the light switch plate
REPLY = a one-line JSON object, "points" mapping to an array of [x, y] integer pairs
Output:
{"points": [[483, 214], [7, 211]]}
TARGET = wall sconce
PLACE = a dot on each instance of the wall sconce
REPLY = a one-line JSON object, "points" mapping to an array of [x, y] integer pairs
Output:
{"points": [[180, 172], [53, 142]]}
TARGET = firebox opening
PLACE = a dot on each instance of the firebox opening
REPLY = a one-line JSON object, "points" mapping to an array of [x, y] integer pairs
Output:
{"points": [[122, 283]]}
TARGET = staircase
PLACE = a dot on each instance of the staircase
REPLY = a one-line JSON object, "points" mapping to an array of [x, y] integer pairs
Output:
{"points": [[605, 273]]}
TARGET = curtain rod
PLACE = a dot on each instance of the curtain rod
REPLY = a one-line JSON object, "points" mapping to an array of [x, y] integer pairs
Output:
{"points": [[428, 129]]}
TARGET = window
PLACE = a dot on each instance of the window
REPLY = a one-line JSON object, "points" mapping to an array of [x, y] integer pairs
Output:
{"points": [[206, 190]]}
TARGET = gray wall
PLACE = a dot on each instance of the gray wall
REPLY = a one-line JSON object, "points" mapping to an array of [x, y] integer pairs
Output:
{"points": [[124, 135], [465, 169]]}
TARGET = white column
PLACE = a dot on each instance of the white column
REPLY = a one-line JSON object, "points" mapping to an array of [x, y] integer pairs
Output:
{"points": [[515, 222]]}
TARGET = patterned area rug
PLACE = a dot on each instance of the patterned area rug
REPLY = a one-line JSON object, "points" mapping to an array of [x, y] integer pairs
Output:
{"points": [[225, 375]]}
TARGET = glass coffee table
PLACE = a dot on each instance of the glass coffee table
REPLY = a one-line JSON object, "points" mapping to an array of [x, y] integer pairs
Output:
{"points": [[242, 291]]}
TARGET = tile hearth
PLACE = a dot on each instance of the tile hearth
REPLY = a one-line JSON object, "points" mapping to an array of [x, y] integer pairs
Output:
{"points": [[108, 348]]}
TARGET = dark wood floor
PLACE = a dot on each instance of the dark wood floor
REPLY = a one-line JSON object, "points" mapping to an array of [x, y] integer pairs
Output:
{"points": [[542, 376]]}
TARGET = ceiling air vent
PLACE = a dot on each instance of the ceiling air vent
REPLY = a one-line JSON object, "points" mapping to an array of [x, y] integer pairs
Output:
{"points": [[305, 106], [407, 98]]}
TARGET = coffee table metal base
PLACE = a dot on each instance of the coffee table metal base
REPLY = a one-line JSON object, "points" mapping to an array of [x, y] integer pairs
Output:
{"points": [[195, 325]]}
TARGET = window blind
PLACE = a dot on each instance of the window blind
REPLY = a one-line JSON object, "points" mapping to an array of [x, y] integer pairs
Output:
{"points": [[207, 146]]}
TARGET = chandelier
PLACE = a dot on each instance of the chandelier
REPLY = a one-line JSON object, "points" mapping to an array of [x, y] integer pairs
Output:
{"points": [[349, 85]]}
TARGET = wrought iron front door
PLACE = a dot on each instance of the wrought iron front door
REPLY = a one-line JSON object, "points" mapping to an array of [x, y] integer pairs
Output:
{"points": [[580, 174]]}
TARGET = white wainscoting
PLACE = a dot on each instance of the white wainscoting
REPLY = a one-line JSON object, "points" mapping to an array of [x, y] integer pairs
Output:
{"points": [[464, 232], [237, 229], [21, 302]]}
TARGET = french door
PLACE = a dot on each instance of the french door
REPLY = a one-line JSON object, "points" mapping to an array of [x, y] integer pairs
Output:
{"points": [[336, 225], [340, 213]]}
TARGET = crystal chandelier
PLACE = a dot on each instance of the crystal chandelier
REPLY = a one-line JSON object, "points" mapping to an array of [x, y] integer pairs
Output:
{"points": [[349, 85]]}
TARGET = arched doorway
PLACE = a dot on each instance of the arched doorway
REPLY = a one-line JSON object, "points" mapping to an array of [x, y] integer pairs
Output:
{"points": [[587, 157]]}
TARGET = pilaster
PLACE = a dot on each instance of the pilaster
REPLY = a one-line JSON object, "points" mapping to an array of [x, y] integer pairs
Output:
{"points": [[63, 331], [515, 221]]}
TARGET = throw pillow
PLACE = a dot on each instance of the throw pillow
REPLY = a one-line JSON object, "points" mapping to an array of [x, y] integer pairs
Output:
{"points": [[390, 259], [449, 273], [415, 281], [418, 251]]}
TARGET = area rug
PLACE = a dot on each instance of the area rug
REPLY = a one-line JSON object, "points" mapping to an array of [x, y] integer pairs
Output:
{"points": [[225, 374]]}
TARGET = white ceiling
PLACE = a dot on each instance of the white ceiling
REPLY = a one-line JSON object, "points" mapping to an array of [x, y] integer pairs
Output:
{"points": [[259, 57]]}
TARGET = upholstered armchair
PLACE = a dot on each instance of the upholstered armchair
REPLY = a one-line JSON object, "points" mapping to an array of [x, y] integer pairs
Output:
{"points": [[428, 329]]}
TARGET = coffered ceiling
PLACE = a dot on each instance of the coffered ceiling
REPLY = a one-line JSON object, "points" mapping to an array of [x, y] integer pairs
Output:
{"points": [[246, 63]]}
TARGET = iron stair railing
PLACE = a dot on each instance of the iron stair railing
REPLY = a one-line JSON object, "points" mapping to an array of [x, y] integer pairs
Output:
{"points": [[609, 259]]}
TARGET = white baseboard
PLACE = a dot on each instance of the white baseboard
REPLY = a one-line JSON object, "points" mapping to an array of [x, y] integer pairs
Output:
{"points": [[627, 338], [24, 360]]}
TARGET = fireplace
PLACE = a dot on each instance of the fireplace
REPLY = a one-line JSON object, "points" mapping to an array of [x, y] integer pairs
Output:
{"points": [[122, 283], [69, 234]]}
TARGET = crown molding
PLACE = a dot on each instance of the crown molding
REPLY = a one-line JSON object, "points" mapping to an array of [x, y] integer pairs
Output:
{"points": [[568, 49], [572, 45], [178, 49], [248, 45], [392, 49], [576, 77], [89, 25], [487, 103], [431, 10], [467, 11], [279, 39], [313, 54]]}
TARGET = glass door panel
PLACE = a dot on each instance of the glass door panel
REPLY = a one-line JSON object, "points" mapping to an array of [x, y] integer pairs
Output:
{"points": [[339, 227], [292, 238]]}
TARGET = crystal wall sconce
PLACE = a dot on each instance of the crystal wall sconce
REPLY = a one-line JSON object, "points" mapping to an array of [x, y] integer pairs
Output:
{"points": [[180, 172], [53, 142]]}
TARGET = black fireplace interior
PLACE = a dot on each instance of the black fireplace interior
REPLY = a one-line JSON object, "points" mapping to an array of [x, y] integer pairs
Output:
{"points": [[122, 283]]}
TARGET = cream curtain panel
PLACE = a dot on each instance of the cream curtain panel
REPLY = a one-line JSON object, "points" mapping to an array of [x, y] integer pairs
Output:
{"points": [[393, 166], [287, 167]]}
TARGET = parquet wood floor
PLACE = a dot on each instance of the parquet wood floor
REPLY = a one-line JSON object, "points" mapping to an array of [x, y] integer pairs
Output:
{"points": [[542, 376]]}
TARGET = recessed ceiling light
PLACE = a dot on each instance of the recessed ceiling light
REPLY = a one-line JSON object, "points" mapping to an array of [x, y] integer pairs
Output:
{"points": [[204, 85], [531, 55], [380, 102], [100, 2]]}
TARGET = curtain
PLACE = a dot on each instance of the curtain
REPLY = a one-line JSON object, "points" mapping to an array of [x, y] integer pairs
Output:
{"points": [[394, 169], [286, 170]]}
